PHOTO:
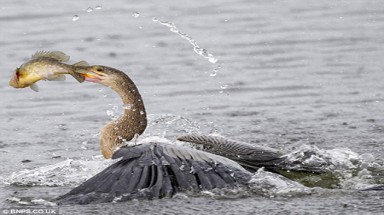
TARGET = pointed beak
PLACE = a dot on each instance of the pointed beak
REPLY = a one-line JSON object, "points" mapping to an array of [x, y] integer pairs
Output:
{"points": [[92, 76]]}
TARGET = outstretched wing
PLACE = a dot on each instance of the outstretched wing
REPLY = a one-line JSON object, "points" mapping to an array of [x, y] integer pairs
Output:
{"points": [[251, 156], [248, 155], [154, 171]]}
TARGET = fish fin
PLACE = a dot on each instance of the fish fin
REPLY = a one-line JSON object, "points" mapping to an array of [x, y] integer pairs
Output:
{"points": [[34, 87], [78, 77], [81, 63], [58, 55], [56, 78], [81, 71]]}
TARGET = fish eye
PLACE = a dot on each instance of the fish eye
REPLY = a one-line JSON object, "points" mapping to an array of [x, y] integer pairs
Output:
{"points": [[99, 69]]}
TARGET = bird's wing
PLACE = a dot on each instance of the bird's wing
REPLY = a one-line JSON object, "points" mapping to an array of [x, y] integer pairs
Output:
{"points": [[251, 156], [154, 171]]}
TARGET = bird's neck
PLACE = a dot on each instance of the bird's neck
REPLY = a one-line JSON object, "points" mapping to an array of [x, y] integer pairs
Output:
{"points": [[132, 123]]}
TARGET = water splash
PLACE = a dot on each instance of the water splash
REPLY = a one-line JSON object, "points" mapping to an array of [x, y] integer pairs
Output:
{"points": [[272, 184], [66, 173], [31, 201], [171, 126], [200, 51], [344, 168], [98, 7], [114, 112]]}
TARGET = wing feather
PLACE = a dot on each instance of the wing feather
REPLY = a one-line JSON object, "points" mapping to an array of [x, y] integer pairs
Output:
{"points": [[152, 170]]}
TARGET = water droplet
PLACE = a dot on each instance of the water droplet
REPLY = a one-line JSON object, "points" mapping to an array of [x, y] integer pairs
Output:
{"points": [[127, 107], [214, 72], [110, 112], [142, 112], [200, 51], [135, 14], [75, 18], [89, 9], [212, 59], [192, 170], [98, 7]]}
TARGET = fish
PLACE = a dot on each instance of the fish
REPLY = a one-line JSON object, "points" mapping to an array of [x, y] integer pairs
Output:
{"points": [[46, 65]]}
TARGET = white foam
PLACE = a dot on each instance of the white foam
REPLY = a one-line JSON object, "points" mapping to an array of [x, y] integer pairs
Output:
{"points": [[69, 172]]}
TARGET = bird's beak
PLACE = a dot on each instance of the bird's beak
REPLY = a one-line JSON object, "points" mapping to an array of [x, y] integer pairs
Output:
{"points": [[92, 76]]}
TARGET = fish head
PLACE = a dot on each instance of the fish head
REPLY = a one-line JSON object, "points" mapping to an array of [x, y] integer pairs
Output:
{"points": [[22, 78], [14, 82]]}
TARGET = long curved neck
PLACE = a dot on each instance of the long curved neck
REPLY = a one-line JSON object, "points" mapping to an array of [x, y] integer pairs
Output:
{"points": [[132, 123]]}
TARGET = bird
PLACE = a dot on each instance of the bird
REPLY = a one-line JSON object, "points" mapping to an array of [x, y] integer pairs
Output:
{"points": [[154, 170], [150, 170]]}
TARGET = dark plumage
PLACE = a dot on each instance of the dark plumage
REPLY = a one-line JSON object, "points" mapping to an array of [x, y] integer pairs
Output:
{"points": [[153, 170]]}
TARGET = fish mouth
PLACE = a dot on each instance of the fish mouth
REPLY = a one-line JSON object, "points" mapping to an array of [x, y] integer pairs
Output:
{"points": [[93, 76], [14, 82]]}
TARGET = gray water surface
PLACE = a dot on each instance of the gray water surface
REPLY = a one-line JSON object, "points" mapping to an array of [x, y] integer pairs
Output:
{"points": [[288, 75]]}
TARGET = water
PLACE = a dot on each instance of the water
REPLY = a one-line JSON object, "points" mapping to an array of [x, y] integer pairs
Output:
{"points": [[292, 75]]}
